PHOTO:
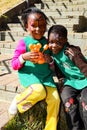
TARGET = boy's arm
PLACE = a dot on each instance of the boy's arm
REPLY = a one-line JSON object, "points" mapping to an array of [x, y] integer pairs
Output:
{"points": [[60, 77], [78, 59], [58, 72]]}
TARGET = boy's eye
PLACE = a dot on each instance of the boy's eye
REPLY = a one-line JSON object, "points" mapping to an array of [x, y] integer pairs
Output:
{"points": [[59, 44], [34, 25]]}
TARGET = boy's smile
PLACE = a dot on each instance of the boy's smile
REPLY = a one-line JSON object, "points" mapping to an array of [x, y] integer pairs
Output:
{"points": [[56, 43]]}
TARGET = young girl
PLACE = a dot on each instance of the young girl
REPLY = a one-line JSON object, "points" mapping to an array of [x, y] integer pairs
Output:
{"points": [[73, 65], [34, 76]]}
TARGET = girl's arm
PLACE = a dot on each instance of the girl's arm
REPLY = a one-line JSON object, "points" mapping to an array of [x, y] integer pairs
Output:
{"points": [[17, 60]]}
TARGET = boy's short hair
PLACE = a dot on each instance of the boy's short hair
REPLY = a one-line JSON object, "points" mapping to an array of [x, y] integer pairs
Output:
{"points": [[58, 29]]}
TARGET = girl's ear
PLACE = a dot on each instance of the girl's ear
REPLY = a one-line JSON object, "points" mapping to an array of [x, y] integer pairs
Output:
{"points": [[26, 27]]}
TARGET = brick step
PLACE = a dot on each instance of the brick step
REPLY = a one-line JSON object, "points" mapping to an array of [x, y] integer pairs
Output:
{"points": [[12, 35], [62, 6], [63, 21], [15, 35], [62, 13], [4, 57], [53, 19], [9, 86], [5, 64], [54, 1], [7, 47], [58, 3], [16, 27]]}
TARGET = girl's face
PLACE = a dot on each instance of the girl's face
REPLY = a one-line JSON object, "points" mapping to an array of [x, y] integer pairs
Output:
{"points": [[56, 43], [36, 25]]}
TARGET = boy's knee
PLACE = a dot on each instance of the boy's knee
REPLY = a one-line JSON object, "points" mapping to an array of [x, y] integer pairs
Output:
{"points": [[70, 105], [84, 99], [84, 95]]}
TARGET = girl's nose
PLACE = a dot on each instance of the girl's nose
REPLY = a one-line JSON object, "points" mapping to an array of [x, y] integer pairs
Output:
{"points": [[37, 28], [54, 45]]}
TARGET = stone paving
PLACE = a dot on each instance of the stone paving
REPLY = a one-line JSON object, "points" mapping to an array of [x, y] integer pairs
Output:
{"points": [[9, 87], [3, 113], [6, 96]]}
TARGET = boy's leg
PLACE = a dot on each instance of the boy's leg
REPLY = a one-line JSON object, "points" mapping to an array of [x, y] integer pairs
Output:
{"points": [[84, 106], [53, 105], [29, 97], [71, 108]]}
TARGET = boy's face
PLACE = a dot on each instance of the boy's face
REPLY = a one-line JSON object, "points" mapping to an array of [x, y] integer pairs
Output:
{"points": [[36, 25], [56, 43]]}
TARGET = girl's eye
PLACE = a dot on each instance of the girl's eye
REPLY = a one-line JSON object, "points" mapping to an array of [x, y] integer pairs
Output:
{"points": [[34, 26], [50, 42]]}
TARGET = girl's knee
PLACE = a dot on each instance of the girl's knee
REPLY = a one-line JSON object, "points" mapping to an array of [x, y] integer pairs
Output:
{"points": [[40, 90], [56, 98]]}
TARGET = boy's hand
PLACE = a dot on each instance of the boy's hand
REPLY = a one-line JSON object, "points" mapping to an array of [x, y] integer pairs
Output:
{"points": [[48, 58], [69, 52], [61, 84], [72, 52]]}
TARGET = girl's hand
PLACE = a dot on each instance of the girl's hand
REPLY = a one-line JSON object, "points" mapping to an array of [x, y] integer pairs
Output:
{"points": [[31, 56]]}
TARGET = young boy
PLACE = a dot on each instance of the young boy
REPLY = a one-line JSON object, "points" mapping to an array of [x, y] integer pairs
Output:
{"points": [[73, 65]]}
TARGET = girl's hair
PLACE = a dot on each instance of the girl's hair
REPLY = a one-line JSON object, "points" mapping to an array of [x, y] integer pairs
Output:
{"points": [[58, 29], [29, 11]]}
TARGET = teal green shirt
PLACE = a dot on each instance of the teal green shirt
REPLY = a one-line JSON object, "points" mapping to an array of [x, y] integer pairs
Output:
{"points": [[73, 75], [32, 73]]}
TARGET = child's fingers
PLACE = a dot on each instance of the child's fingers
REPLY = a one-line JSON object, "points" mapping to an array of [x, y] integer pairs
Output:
{"points": [[69, 52]]}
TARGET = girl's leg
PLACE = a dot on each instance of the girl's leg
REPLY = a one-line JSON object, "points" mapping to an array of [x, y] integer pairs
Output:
{"points": [[84, 106], [71, 107], [53, 105], [12, 109], [29, 97]]}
